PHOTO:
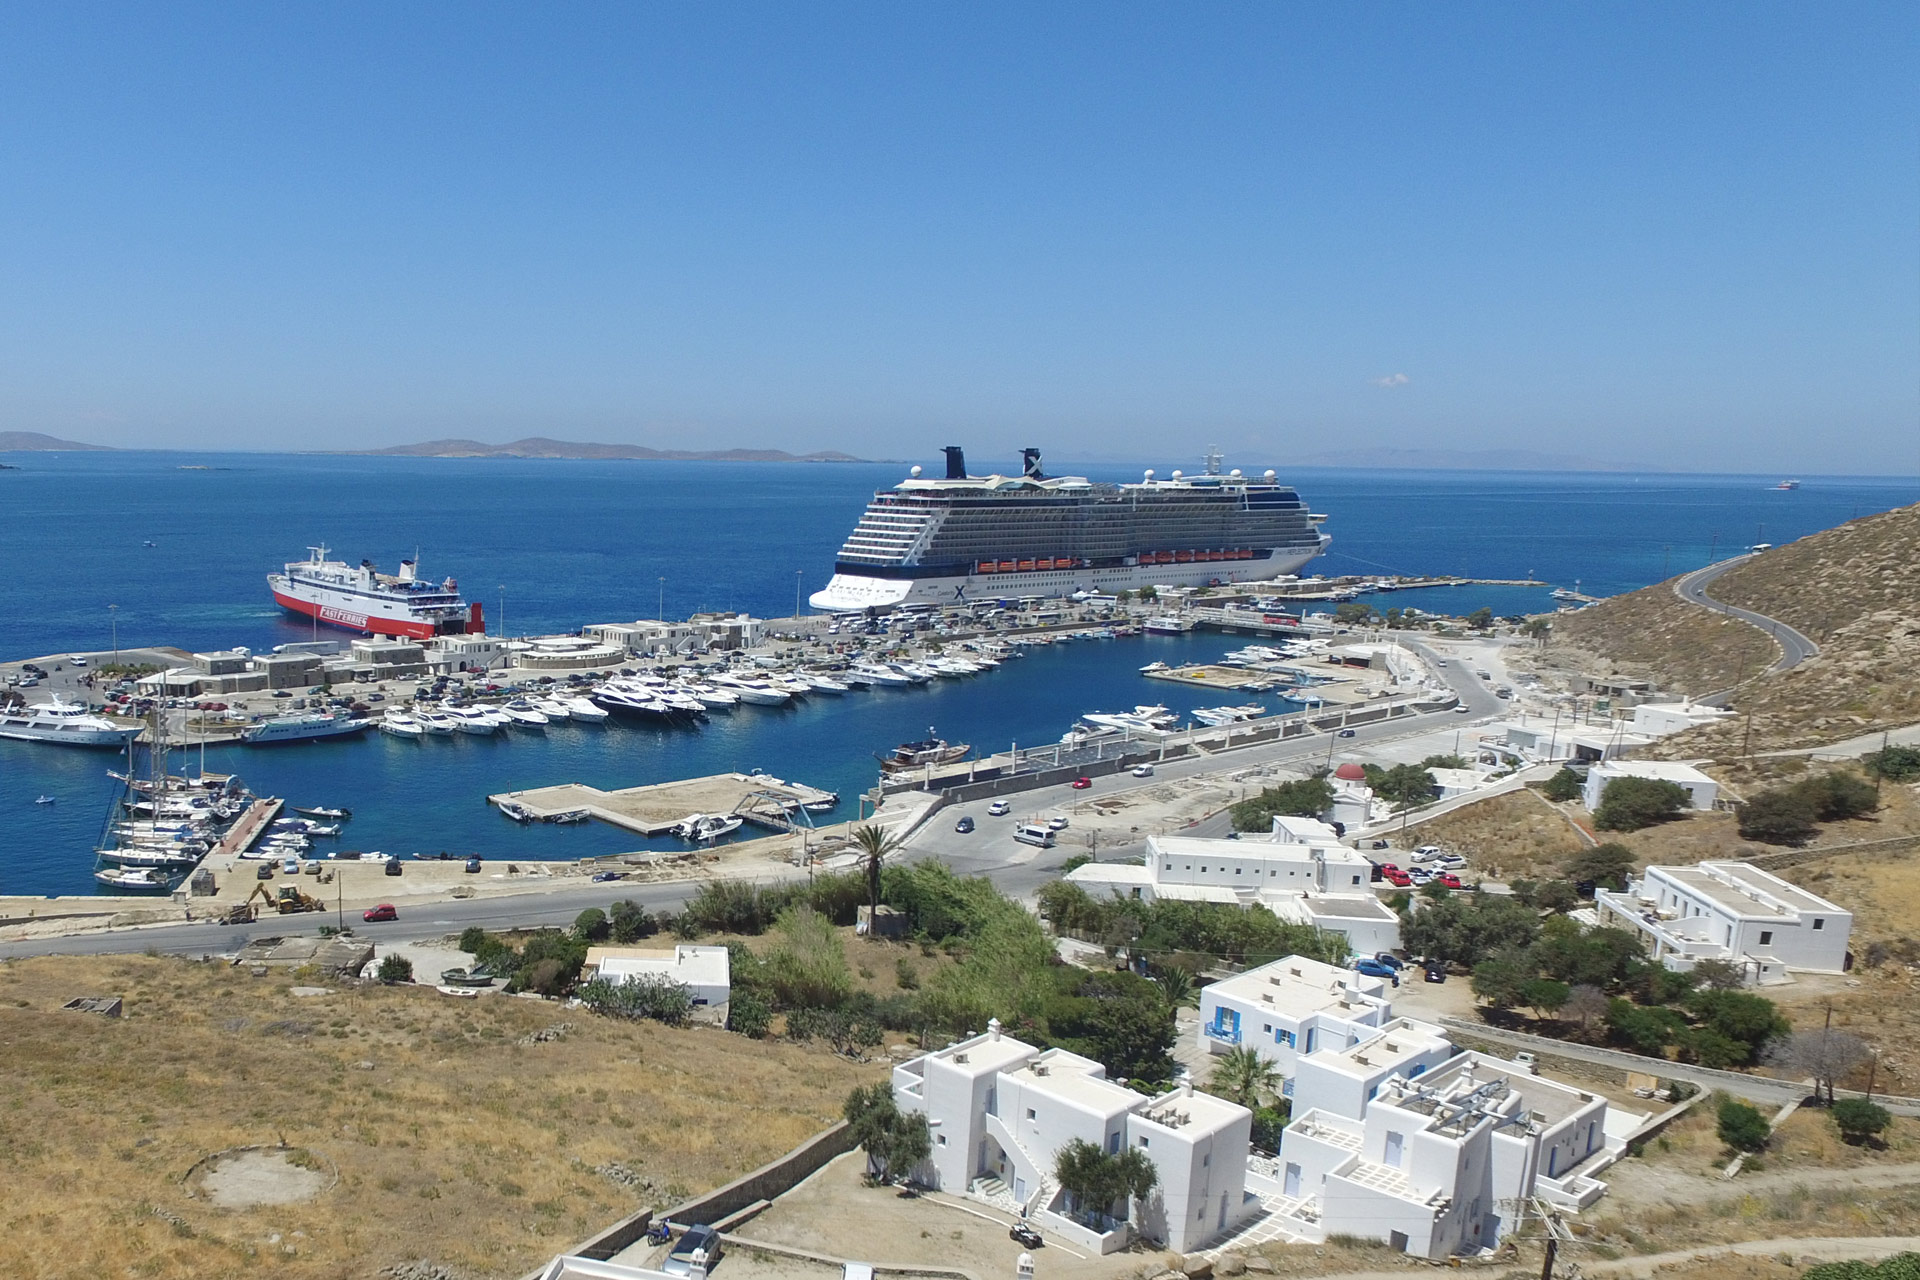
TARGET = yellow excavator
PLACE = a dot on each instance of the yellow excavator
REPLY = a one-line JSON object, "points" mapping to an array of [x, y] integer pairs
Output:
{"points": [[288, 901]]}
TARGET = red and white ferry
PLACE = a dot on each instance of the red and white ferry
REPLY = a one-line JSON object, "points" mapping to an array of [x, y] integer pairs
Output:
{"points": [[361, 598]]}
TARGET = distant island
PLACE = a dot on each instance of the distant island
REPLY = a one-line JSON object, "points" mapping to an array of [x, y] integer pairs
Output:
{"points": [[541, 447], [33, 441]]}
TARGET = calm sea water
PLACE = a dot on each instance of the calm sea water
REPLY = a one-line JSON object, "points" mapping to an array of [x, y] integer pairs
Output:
{"points": [[563, 544]]}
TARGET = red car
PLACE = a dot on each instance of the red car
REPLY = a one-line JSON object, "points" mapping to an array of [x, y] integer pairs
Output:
{"points": [[1448, 879], [1081, 784], [1397, 878], [384, 911]]}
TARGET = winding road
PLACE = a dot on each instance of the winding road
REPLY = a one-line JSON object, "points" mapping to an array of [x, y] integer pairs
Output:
{"points": [[1794, 647]]}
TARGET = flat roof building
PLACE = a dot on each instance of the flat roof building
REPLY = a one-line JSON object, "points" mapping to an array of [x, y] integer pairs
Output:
{"points": [[705, 971], [1290, 1008], [1703, 793], [1731, 911]]}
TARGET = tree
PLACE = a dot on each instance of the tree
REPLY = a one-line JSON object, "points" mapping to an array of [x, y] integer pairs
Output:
{"points": [[1605, 864], [1544, 996], [591, 925], [629, 921], [874, 844], [1645, 1030], [1149, 592], [1465, 928], [1096, 1181], [1446, 761], [1752, 1021], [894, 1141], [1353, 614], [1405, 786], [1628, 804], [1480, 619], [1585, 1005], [395, 968], [1177, 986], [1562, 786], [1536, 629], [1895, 764], [1122, 1021], [1826, 1055], [1837, 796], [1242, 1075], [1299, 798], [1556, 895], [1268, 1124], [1718, 975], [1859, 1120], [748, 1014], [1741, 1126], [1781, 816], [1501, 980]]}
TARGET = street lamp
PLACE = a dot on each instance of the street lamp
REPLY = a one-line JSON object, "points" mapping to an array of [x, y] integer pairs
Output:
{"points": [[796, 593]]}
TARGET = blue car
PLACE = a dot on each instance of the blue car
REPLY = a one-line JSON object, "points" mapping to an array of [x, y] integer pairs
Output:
{"points": [[1374, 969]]}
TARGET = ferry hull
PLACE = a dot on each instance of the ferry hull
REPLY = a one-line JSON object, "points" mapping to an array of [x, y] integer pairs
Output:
{"points": [[347, 620], [848, 592]]}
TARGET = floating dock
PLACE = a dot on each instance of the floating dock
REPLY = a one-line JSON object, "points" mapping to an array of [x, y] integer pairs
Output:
{"points": [[654, 809], [248, 829]]}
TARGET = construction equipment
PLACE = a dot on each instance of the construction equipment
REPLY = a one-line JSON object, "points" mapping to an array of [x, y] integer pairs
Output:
{"points": [[291, 901]]}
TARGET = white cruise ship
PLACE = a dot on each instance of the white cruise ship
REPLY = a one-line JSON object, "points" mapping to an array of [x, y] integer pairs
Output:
{"points": [[67, 723], [964, 537]]}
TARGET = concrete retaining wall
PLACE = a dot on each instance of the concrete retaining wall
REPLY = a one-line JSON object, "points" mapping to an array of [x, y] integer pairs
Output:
{"points": [[769, 1181]]}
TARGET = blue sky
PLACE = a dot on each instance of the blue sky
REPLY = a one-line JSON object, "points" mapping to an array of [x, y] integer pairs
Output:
{"points": [[1681, 236]]}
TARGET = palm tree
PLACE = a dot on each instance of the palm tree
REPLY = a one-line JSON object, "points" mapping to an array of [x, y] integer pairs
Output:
{"points": [[1178, 987], [876, 843], [1242, 1075]]}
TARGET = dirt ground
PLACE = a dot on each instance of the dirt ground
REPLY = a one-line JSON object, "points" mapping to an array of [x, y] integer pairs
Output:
{"points": [[484, 1135], [1506, 837]]}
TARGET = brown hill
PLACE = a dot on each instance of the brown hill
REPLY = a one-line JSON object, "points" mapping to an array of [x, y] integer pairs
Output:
{"points": [[35, 442], [1852, 590], [542, 447]]}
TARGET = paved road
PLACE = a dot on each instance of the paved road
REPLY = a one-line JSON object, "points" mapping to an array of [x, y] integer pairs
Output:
{"points": [[1794, 647]]}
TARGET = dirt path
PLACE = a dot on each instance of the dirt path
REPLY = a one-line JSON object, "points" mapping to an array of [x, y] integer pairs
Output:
{"points": [[1651, 1184], [1803, 1248]]}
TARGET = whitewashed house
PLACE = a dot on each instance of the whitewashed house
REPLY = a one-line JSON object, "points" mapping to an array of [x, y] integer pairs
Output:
{"points": [[1731, 911], [1290, 1008], [1445, 1160], [1300, 872], [1702, 792], [1000, 1111], [705, 971]]}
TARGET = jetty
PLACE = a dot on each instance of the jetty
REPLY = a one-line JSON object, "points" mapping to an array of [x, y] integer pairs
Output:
{"points": [[656, 808], [248, 828]]}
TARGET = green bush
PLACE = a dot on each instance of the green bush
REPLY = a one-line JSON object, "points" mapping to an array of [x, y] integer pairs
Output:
{"points": [[1895, 764], [1741, 1126], [629, 922], [1465, 928], [1859, 1119], [654, 996], [1901, 1266], [1563, 786], [591, 925], [1629, 804], [748, 1014], [1782, 816], [1838, 796], [396, 968], [472, 938], [1605, 864], [1301, 798]]}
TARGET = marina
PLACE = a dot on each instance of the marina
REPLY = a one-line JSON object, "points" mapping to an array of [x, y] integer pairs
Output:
{"points": [[655, 809]]}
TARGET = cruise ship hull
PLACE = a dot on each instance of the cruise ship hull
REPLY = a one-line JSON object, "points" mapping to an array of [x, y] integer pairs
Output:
{"points": [[851, 592]]}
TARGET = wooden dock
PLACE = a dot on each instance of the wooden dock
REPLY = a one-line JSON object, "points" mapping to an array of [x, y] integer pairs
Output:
{"points": [[248, 829], [654, 809]]}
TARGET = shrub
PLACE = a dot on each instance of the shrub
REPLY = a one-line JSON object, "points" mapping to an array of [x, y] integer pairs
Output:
{"points": [[748, 1014], [1741, 1126], [472, 938], [1837, 796], [1782, 816], [396, 968], [1605, 864], [1895, 764], [629, 921], [1740, 1016], [906, 975], [1465, 928], [1562, 786], [1629, 804], [1859, 1119], [654, 996], [1301, 798], [591, 925]]}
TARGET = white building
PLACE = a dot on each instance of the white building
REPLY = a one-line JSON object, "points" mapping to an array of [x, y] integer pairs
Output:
{"points": [[705, 971], [1702, 792], [1291, 1008], [1658, 719], [1441, 1157], [1001, 1110], [1731, 911], [1300, 873]]}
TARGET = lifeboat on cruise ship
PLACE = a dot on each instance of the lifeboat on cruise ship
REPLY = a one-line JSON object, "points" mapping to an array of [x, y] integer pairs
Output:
{"points": [[1183, 557], [987, 566]]}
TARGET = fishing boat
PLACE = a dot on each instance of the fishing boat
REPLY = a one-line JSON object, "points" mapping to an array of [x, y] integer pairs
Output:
{"points": [[930, 750], [45, 800]]}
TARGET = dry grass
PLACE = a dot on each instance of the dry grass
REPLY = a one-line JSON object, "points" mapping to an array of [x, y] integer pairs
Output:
{"points": [[1518, 834], [1653, 634], [461, 1143]]}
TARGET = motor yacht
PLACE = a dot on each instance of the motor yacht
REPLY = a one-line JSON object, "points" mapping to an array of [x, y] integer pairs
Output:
{"points": [[436, 723], [400, 724], [522, 714], [876, 674], [584, 709], [757, 692], [472, 720], [552, 708]]}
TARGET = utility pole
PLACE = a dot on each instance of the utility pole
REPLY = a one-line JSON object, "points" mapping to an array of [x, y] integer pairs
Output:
{"points": [[660, 611], [1546, 1264], [796, 593], [113, 620]]}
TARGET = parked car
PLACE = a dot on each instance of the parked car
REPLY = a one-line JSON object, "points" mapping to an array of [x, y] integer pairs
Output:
{"points": [[385, 911], [1448, 879], [393, 867], [1024, 1236], [1143, 771], [1398, 879], [265, 872], [599, 877], [1434, 973], [1346, 733], [1374, 969], [964, 826], [1081, 784], [680, 1259], [1463, 711], [1057, 822], [999, 809], [473, 865], [1389, 959]]}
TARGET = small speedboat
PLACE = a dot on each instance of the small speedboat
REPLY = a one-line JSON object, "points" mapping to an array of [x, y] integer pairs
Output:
{"points": [[705, 828], [318, 812], [517, 811], [45, 800], [133, 878]]}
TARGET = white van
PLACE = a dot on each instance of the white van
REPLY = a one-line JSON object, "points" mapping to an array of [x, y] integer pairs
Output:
{"points": [[1036, 833]]}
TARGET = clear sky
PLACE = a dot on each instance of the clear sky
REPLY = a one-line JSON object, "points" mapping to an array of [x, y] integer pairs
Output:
{"points": [[1681, 236]]}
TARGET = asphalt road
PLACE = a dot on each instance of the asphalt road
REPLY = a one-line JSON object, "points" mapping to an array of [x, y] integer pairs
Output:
{"points": [[1019, 870], [1794, 647]]}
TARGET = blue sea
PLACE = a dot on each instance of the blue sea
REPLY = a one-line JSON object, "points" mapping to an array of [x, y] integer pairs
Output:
{"points": [[550, 546]]}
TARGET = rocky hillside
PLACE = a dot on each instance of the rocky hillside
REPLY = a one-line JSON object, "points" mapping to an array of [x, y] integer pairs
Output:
{"points": [[1853, 590]]}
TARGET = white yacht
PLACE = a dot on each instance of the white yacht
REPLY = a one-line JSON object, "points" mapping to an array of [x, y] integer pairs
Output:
{"points": [[400, 724], [758, 692], [821, 683], [552, 708], [435, 722], [471, 720], [523, 713], [583, 709], [705, 828], [873, 673], [714, 699], [67, 723]]}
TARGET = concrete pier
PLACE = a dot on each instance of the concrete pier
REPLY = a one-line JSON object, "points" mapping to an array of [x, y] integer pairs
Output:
{"points": [[654, 809]]}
